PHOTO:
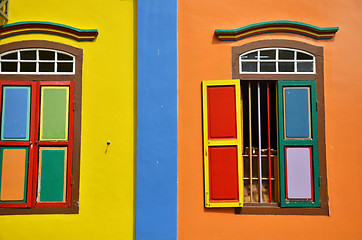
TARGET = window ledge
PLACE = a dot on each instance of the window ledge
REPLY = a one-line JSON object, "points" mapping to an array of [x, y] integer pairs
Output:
{"points": [[274, 209], [39, 210]]}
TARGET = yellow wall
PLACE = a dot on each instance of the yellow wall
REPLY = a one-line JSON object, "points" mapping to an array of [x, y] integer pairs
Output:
{"points": [[108, 113]]}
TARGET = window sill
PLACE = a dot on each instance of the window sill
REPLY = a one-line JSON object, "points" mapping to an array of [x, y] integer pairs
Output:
{"points": [[274, 209], [39, 210]]}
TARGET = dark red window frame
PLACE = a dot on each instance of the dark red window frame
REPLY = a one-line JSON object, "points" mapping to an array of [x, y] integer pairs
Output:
{"points": [[34, 142]]}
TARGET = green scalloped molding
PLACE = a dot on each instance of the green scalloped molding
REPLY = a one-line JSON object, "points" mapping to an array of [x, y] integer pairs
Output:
{"points": [[282, 26], [20, 28]]}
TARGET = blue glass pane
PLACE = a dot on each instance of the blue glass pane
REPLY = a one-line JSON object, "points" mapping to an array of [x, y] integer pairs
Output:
{"points": [[297, 113], [15, 113]]}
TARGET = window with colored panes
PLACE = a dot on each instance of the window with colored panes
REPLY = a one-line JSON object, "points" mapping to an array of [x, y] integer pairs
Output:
{"points": [[261, 146], [36, 158], [37, 132]]}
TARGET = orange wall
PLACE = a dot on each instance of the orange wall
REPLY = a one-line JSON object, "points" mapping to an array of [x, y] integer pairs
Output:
{"points": [[203, 57]]}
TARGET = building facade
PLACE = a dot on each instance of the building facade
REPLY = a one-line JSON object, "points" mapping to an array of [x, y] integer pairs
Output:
{"points": [[180, 119]]}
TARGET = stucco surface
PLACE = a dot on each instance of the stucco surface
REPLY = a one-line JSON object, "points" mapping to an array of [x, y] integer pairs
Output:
{"points": [[108, 114], [203, 57]]}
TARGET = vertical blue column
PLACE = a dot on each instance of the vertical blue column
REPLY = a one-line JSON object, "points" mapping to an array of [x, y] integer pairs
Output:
{"points": [[156, 195]]}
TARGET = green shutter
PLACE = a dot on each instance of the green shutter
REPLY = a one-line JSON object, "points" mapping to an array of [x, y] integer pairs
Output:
{"points": [[298, 144]]}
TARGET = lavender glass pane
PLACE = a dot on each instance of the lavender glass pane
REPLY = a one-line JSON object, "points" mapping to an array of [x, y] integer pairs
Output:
{"points": [[298, 168]]}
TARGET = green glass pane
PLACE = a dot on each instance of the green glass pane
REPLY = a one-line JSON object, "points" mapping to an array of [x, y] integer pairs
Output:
{"points": [[54, 113], [52, 164]]}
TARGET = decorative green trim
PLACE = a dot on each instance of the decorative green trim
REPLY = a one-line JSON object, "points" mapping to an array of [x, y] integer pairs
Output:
{"points": [[313, 142], [284, 26], [32, 27]]}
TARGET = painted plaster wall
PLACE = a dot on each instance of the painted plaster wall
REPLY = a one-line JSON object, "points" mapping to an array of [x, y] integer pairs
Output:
{"points": [[108, 113], [203, 57]]}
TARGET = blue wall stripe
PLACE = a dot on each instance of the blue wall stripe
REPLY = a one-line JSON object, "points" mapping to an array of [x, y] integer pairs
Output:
{"points": [[156, 194]]}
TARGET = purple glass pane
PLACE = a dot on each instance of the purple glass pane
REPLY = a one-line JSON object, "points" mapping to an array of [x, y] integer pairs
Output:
{"points": [[298, 167]]}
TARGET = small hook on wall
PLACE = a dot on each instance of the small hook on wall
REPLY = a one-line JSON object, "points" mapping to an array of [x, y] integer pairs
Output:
{"points": [[108, 143]]}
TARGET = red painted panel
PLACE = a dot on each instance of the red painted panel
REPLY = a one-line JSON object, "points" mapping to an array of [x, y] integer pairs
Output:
{"points": [[223, 173], [221, 112]]}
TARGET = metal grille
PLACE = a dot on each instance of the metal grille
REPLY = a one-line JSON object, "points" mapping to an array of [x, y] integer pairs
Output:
{"points": [[259, 142]]}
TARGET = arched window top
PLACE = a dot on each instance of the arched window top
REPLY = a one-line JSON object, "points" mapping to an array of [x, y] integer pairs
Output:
{"points": [[36, 61], [276, 60]]}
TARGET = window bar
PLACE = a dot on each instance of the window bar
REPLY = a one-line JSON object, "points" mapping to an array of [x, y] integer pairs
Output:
{"points": [[269, 158], [18, 63], [259, 154], [37, 61], [56, 62], [295, 61], [276, 60], [250, 147]]}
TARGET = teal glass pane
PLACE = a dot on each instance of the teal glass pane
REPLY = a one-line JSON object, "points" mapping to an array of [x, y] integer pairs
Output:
{"points": [[297, 112], [52, 167]]}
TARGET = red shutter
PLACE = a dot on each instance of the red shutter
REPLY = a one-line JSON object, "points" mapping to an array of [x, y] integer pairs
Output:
{"points": [[222, 143]]}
